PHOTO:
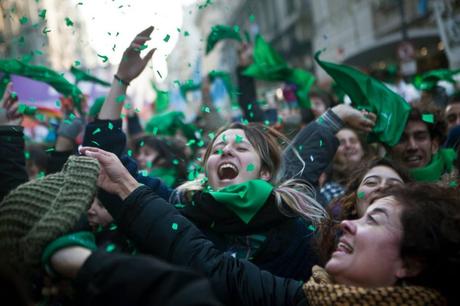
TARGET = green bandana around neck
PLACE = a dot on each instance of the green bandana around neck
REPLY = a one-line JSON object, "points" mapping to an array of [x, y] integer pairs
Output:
{"points": [[441, 162], [244, 199]]}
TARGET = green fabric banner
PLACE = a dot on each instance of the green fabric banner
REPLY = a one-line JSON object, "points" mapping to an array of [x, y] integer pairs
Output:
{"points": [[44, 74]]}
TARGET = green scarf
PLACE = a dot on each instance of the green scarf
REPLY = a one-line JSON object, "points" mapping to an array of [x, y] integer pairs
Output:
{"points": [[161, 101], [46, 75], [368, 93], [167, 175], [188, 86], [441, 162], [244, 199]]}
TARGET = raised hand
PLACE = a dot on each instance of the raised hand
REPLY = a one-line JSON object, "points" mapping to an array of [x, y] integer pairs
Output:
{"points": [[113, 176], [132, 64], [9, 108], [359, 120]]}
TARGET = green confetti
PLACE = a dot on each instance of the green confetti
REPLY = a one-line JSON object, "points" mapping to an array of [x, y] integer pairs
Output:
{"points": [[98, 130], [58, 103], [110, 247], [120, 98], [238, 139], [236, 28], [122, 116], [46, 30], [142, 47], [266, 122], [453, 184], [224, 138], [110, 125], [27, 154], [252, 18], [200, 144], [159, 74], [72, 116], [361, 195], [312, 228], [42, 14], [76, 63], [205, 109], [186, 34], [148, 164], [113, 227], [320, 143], [41, 174], [245, 122], [428, 118], [130, 153], [220, 151], [96, 143], [211, 135], [104, 58], [141, 144], [68, 22], [49, 150], [167, 37], [175, 162], [250, 168], [191, 142], [155, 130], [38, 52], [24, 20], [174, 226]]}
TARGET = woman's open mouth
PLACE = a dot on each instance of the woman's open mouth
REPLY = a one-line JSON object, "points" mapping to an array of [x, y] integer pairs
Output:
{"points": [[227, 171]]}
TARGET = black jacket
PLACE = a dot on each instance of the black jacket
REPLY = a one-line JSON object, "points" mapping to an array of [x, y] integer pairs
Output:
{"points": [[159, 229], [117, 279]]}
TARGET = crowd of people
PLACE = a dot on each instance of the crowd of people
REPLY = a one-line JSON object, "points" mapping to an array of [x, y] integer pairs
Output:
{"points": [[250, 212]]}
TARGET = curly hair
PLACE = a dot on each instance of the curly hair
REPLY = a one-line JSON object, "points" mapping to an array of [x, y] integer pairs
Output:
{"points": [[430, 220]]}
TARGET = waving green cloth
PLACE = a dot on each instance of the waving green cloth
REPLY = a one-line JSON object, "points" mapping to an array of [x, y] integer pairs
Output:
{"points": [[270, 66], [161, 101], [441, 162], [165, 124], [244, 199], [227, 79], [81, 75], [188, 86], [367, 93], [44, 74], [220, 32], [428, 80]]}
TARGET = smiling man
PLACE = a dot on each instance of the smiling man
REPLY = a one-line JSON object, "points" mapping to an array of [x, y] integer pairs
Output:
{"points": [[419, 147]]}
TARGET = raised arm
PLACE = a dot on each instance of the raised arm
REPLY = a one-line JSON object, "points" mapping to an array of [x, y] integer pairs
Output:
{"points": [[130, 67]]}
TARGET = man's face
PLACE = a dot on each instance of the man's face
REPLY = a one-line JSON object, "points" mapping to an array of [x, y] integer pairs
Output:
{"points": [[452, 115], [415, 148]]}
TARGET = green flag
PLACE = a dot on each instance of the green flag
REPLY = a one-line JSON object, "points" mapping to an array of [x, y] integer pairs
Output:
{"points": [[81, 75], [270, 66], [303, 80], [227, 79], [368, 93], [165, 124], [44, 74], [430, 79], [267, 64], [188, 86], [161, 101], [220, 32]]}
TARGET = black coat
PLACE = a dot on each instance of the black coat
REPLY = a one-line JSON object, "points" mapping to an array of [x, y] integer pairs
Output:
{"points": [[157, 228], [117, 279]]}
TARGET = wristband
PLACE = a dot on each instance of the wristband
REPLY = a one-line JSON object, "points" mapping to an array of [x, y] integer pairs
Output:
{"points": [[120, 80]]}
